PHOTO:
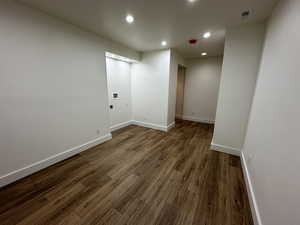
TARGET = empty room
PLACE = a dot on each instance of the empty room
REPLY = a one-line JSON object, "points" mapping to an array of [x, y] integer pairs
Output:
{"points": [[162, 112]]}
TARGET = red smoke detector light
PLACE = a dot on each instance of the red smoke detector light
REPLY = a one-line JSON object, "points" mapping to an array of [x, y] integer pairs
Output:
{"points": [[193, 41]]}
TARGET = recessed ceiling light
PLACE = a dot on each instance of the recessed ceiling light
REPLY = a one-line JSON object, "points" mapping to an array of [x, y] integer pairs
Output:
{"points": [[129, 19], [191, 1], [163, 43], [207, 35], [204, 53]]}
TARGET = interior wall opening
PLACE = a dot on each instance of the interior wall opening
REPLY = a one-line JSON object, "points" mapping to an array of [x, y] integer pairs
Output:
{"points": [[180, 91], [118, 70]]}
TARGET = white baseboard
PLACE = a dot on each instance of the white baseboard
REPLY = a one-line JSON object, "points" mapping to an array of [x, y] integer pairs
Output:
{"points": [[225, 149], [143, 124], [121, 125], [150, 125], [20, 173], [197, 119], [251, 195], [170, 126]]}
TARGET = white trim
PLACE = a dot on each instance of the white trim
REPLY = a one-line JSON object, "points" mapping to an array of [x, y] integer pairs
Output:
{"points": [[143, 124], [171, 125], [150, 125], [121, 125], [197, 119], [251, 195], [225, 149], [20, 173], [120, 58]]}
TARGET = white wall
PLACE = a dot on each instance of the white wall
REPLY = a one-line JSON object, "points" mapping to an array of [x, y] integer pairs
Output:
{"points": [[119, 81], [202, 83], [175, 60], [242, 54], [150, 88], [53, 89], [271, 147]]}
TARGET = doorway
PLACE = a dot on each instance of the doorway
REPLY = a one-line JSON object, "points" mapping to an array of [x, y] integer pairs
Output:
{"points": [[180, 91], [119, 92]]}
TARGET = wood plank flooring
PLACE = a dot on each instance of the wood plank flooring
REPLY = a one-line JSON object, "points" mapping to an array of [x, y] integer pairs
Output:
{"points": [[140, 177]]}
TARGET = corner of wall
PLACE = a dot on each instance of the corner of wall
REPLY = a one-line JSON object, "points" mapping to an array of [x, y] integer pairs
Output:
{"points": [[225, 149], [37, 166], [250, 191]]}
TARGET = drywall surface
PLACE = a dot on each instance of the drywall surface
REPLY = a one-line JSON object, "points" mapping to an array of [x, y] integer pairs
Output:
{"points": [[150, 88], [175, 60], [272, 147], [202, 83], [53, 88], [119, 81], [243, 47]]}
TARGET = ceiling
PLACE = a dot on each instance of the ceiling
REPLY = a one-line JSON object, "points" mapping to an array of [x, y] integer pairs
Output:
{"points": [[175, 21]]}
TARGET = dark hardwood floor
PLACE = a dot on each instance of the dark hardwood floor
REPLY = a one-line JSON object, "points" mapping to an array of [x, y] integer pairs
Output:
{"points": [[140, 177]]}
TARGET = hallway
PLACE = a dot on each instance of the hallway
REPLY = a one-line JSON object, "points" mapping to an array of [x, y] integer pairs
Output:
{"points": [[142, 176]]}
